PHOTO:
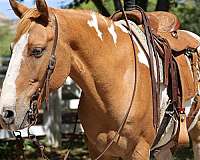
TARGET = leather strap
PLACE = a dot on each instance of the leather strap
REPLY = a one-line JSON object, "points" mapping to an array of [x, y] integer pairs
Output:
{"points": [[44, 89], [183, 137], [152, 54], [117, 134]]}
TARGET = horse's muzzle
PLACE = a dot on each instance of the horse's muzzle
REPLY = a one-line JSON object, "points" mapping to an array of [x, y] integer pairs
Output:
{"points": [[7, 119], [8, 116]]}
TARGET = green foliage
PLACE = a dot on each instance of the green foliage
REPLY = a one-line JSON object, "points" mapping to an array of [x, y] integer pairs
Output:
{"points": [[9, 150], [6, 36], [109, 5], [151, 5], [90, 5], [189, 15]]}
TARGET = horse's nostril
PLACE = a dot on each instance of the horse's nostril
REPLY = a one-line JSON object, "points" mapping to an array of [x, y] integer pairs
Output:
{"points": [[8, 114]]}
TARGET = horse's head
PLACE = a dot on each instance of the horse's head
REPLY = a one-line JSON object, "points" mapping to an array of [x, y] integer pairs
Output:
{"points": [[31, 51]]}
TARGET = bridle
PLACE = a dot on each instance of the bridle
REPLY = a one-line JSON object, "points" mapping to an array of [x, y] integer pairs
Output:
{"points": [[44, 86], [36, 100]]}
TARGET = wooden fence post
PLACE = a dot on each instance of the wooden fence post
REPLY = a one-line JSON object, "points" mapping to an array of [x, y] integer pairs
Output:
{"points": [[53, 120]]}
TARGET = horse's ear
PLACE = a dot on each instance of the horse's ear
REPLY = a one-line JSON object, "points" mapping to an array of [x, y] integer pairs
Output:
{"points": [[42, 8], [18, 8]]}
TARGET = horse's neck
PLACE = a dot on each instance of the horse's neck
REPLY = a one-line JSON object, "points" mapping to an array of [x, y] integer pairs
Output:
{"points": [[99, 65]]}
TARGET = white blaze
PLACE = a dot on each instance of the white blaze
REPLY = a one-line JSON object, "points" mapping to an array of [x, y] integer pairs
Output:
{"points": [[8, 94], [94, 23], [111, 30]]}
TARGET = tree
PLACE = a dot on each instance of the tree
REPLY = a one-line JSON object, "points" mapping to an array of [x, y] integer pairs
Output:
{"points": [[186, 10], [101, 8], [163, 5]]}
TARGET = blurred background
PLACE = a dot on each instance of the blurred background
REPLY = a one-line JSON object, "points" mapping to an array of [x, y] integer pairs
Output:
{"points": [[54, 129]]}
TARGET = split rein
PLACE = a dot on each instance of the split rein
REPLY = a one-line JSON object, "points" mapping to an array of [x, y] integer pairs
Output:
{"points": [[151, 47], [36, 100]]}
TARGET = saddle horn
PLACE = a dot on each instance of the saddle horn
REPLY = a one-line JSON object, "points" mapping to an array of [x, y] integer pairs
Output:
{"points": [[18, 8], [42, 7]]}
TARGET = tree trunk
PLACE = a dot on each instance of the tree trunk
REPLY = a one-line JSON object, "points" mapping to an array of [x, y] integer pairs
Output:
{"points": [[142, 3], [117, 5], [129, 3], [53, 120], [101, 8], [163, 5]]}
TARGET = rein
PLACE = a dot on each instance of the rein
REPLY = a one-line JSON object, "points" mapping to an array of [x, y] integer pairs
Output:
{"points": [[155, 88], [36, 100], [50, 69], [117, 134]]}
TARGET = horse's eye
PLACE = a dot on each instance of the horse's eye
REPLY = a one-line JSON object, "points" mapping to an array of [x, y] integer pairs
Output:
{"points": [[37, 52]]}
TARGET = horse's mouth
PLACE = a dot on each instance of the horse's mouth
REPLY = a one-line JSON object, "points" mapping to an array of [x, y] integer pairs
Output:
{"points": [[4, 125]]}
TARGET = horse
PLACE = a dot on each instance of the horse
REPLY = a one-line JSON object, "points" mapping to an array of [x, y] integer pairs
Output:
{"points": [[98, 55]]}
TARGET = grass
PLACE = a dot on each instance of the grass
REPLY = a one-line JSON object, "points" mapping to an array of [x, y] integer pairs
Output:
{"points": [[78, 151], [6, 36]]}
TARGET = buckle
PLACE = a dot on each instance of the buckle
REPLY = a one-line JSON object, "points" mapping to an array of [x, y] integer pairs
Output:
{"points": [[52, 63]]}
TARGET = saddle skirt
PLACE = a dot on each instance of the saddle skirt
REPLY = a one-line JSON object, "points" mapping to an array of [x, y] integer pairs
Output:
{"points": [[189, 82]]}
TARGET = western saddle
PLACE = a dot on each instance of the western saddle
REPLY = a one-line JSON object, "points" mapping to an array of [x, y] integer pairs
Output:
{"points": [[172, 45], [164, 24], [160, 21]]}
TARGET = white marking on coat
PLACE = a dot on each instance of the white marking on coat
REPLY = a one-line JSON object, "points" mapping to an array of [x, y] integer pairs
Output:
{"points": [[105, 20], [141, 56], [143, 59], [111, 30], [94, 23], [119, 24], [8, 94]]}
